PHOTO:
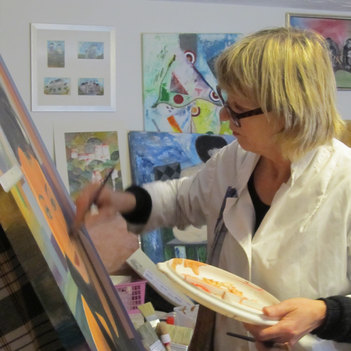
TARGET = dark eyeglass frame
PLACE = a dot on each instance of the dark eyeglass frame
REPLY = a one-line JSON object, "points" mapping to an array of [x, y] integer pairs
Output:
{"points": [[236, 117]]}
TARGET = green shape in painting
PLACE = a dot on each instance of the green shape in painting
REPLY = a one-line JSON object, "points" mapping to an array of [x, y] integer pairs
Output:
{"points": [[343, 79], [202, 251], [191, 253], [168, 252]]}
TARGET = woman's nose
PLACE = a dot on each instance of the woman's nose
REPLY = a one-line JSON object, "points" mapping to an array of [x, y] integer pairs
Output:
{"points": [[224, 115]]}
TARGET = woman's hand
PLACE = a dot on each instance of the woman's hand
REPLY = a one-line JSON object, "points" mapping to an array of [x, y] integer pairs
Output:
{"points": [[297, 316], [109, 202]]}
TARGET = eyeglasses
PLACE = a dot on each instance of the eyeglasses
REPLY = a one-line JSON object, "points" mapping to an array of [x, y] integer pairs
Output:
{"points": [[236, 117]]}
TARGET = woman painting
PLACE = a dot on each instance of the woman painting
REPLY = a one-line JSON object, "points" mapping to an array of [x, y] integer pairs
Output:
{"points": [[285, 184]]}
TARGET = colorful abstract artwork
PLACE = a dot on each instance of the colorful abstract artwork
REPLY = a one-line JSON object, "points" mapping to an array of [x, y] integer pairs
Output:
{"points": [[337, 32], [93, 313], [163, 156], [179, 82]]}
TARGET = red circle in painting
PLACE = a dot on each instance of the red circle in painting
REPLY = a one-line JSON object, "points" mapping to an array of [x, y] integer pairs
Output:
{"points": [[178, 99], [195, 111], [214, 96], [191, 57]]}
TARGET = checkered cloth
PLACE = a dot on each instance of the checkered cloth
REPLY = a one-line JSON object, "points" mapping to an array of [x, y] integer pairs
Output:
{"points": [[23, 323]]}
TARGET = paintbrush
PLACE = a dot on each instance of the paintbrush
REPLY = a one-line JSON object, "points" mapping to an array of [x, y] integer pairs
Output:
{"points": [[269, 344], [180, 335], [150, 338], [96, 197], [148, 311], [94, 201], [162, 332]]}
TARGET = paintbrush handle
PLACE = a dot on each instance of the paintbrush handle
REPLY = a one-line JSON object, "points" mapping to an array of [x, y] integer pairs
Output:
{"points": [[269, 344], [97, 195]]}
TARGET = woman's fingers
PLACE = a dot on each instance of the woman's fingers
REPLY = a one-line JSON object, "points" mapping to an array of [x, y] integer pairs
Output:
{"points": [[297, 317]]}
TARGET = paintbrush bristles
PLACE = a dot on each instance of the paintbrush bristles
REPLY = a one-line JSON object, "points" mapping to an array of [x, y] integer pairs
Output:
{"points": [[180, 335], [149, 337], [162, 328], [147, 309]]}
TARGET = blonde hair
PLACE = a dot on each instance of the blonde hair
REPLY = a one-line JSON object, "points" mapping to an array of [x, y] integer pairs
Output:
{"points": [[288, 72]]}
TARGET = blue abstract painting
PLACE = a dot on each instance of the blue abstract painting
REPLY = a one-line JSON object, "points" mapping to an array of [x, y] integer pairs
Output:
{"points": [[162, 156]]}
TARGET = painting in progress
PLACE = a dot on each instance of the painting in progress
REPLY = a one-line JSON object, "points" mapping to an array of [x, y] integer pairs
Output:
{"points": [[90, 156], [96, 318], [163, 156], [179, 82], [337, 32]]}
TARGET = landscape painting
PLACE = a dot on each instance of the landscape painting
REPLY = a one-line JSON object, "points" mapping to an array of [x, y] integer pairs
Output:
{"points": [[90, 50], [337, 32], [179, 82], [56, 53], [163, 156], [90, 156]]}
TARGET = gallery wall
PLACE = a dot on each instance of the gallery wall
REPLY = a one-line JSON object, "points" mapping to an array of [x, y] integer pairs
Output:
{"points": [[130, 18]]}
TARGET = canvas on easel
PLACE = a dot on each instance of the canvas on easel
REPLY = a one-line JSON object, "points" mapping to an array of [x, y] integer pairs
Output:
{"points": [[82, 293]]}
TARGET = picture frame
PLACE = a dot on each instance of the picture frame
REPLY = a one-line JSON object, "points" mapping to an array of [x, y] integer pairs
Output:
{"points": [[337, 32], [103, 128], [73, 67], [59, 259]]}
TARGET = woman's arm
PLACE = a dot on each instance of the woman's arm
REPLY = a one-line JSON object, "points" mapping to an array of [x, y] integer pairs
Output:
{"points": [[328, 318], [108, 203]]}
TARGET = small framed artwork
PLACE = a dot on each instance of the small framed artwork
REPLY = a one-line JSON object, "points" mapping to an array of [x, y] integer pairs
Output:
{"points": [[86, 154], [73, 67], [337, 32]]}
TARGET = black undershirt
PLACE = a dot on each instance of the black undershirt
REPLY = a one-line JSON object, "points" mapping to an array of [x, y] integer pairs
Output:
{"points": [[260, 208]]}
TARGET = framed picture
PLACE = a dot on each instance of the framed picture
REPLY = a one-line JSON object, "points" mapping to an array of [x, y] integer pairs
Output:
{"points": [[86, 154], [179, 82], [163, 156], [73, 67], [337, 32], [61, 261]]}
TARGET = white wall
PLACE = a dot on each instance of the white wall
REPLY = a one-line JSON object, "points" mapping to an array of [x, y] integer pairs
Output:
{"points": [[130, 18]]}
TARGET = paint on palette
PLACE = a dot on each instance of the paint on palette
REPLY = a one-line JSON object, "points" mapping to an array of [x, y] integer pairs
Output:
{"points": [[162, 156], [179, 82]]}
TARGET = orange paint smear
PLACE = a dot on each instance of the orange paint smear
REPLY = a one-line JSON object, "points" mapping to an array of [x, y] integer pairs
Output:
{"points": [[174, 124], [201, 287], [194, 265]]}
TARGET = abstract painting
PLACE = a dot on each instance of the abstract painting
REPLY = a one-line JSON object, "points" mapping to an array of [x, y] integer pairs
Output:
{"points": [[337, 32], [179, 82], [162, 156], [93, 313]]}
